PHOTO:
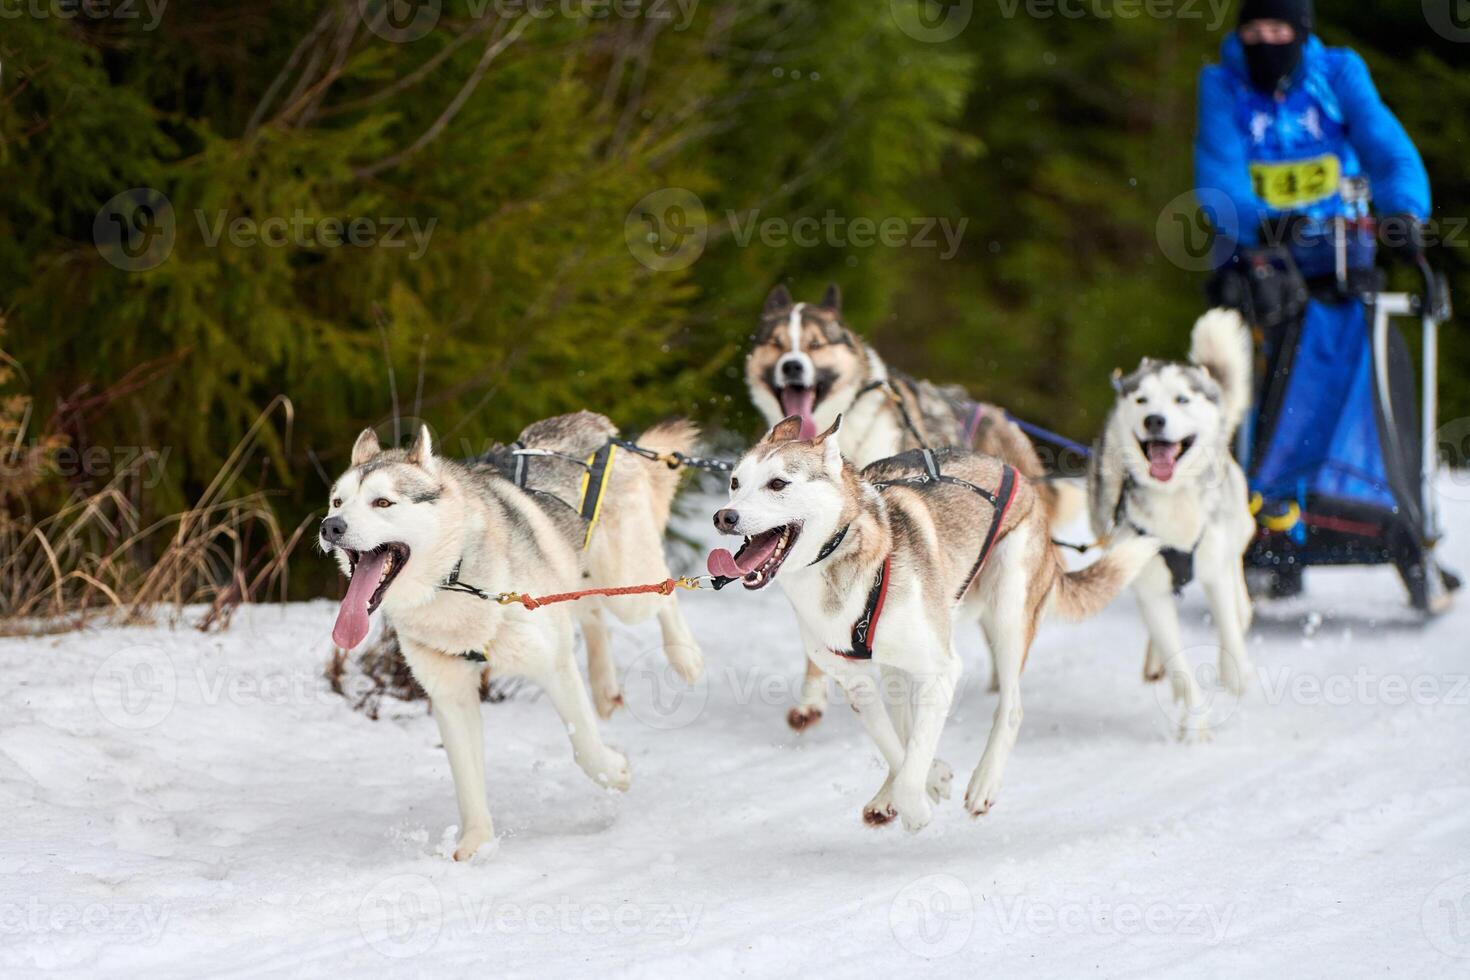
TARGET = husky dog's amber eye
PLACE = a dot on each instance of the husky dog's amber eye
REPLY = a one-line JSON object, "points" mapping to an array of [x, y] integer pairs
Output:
{"points": [[734, 483], [1142, 399], [336, 501], [778, 484], [382, 502]]}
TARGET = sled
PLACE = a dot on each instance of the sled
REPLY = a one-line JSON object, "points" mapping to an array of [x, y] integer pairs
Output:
{"points": [[1340, 452]]}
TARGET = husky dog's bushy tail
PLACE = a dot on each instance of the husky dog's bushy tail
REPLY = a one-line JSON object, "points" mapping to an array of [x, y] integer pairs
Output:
{"points": [[1221, 344], [1087, 591], [673, 436]]}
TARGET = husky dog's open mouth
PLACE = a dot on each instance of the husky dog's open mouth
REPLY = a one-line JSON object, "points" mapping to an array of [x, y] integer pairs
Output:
{"points": [[801, 401], [372, 572], [758, 559], [1164, 456]]}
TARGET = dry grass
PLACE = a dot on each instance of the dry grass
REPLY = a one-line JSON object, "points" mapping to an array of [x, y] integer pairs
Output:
{"points": [[96, 557]]}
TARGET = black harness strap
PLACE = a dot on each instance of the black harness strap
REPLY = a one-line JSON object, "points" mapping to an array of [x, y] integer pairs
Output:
{"points": [[452, 584], [903, 410], [1000, 502], [832, 545]]}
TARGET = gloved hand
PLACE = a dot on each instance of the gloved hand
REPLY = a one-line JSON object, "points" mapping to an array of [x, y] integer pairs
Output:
{"points": [[1402, 236]]}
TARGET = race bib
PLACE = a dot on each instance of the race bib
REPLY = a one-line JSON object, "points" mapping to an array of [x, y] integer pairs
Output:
{"points": [[1294, 184]]}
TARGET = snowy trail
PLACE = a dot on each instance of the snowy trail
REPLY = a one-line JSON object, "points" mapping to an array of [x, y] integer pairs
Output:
{"points": [[189, 804]]}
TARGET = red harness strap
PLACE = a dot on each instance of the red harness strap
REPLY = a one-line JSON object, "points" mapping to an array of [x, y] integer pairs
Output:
{"points": [[866, 628]]}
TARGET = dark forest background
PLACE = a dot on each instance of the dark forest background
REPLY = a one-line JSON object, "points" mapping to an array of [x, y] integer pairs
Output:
{"points": [[563, 162]]}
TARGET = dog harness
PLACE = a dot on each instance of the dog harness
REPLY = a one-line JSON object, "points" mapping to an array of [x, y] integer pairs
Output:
{"points": [[866, 627]]}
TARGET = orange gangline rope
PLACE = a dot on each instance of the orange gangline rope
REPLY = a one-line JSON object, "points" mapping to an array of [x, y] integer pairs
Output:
{"points": [[666, 587]]}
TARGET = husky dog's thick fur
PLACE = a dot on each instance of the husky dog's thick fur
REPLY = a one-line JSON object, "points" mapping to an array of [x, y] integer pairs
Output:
{"points": [[828, 534], [806, 362], [1163, 468], [418, 535]]}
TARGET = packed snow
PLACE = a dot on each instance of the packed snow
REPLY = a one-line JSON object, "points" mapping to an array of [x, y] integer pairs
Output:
{"points": [[187, 804]]}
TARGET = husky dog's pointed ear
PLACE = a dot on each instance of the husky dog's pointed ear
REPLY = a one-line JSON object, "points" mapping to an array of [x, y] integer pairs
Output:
{"points": [[832, 298], [778, 299], [1117, 380], [422, 451], [366, 447], [786, 430], [831, 445]]}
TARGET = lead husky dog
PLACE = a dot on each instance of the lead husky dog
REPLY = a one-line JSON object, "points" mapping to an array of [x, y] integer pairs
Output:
{"points": [[806, 362], [419, 535], [1163, 468], [883, 575]]}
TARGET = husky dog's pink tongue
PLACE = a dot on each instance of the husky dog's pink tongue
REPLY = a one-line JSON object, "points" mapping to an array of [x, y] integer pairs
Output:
{"points": [[1161, 459], [352, 616], [751, 557], [802, 402]]}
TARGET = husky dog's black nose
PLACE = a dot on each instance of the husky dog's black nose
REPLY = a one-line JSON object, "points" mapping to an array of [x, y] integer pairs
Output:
{"points": [[726, 519], [1155, 424], [791, 369], [333, 529]]}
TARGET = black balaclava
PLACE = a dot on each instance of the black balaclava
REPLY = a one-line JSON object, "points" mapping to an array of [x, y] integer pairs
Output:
{"points": [[1270, 65]]}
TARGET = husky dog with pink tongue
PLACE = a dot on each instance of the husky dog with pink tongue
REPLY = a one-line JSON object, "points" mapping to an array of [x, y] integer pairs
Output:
{"points": [[429, 541]]}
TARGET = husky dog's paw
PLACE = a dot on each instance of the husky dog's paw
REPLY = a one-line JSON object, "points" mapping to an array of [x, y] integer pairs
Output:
{"points": [[471, 841], [913, 807], [1153, 666], [1234, 673], [880, 812], [1194, 728], [610, 770], [982, 792], [803, 717], [941, 777], [686, 659]]}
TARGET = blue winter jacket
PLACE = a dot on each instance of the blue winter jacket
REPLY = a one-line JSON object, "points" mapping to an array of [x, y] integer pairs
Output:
{"points": [[1257, 158]]}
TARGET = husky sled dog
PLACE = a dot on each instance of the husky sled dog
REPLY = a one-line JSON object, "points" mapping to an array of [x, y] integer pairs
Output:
{"points": [[806, 362], [426, 539], [1163, 468], [878, 566]]}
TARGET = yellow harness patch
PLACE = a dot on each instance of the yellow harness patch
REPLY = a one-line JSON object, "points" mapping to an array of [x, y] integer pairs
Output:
{"points": [[594, 483], [1296, 183]]}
